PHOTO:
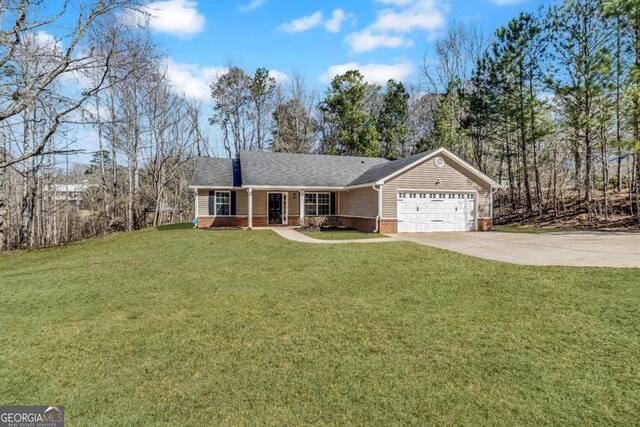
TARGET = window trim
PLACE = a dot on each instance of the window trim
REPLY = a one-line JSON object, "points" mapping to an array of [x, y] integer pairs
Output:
{"points": [[215, 203], [317, 203]]}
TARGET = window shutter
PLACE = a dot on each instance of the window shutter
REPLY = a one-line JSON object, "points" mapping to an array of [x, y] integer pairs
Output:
{"points": [[332, 209], [212, 202], [233, 203]]}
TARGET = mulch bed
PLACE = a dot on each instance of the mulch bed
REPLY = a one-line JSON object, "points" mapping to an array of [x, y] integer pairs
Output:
{"points": [[325, 228], [237, 227]]}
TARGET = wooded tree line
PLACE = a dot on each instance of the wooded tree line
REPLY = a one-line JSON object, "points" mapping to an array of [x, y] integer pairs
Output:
{"points": [[354, 117], [548, 105], [103, 76], [551, 108]]}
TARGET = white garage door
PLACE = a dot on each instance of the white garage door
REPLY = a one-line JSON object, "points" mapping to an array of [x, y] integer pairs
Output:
{"points": [[427, 211]]}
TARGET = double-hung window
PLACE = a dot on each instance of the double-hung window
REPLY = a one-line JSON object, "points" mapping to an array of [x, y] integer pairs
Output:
{"points": [[323, 204], [317, 204], [311, 204], [222, 203]]}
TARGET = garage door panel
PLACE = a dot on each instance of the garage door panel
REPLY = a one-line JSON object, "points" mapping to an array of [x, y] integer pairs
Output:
{"points": [[423, 211]]}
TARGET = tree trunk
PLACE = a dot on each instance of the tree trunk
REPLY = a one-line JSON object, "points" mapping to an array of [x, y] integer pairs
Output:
{"points": [[555, 181], [588, 157], [605, 173], [3, 157], [512, 185], [577, 167], [636, 107], [617, 103], [523, 146], [103, 174], [25, 216], [534, 143]]}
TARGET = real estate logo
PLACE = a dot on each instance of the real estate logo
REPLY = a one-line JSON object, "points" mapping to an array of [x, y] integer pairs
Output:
{"points": [[32, 416]]}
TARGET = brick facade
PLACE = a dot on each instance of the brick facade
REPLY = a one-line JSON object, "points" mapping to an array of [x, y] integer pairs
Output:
{"points": [[259, 221], [368, 225], [388, 226], [222, 221], [294, 220], [322, 221], [237, 221], [485, 224]]}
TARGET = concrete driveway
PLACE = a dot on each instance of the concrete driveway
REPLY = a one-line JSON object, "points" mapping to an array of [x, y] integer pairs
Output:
{"points": [[582, 249]]}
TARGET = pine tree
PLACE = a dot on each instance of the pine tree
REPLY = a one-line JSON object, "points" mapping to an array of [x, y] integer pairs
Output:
{"points": [[581, 43], [393, 120], [346, 106]]}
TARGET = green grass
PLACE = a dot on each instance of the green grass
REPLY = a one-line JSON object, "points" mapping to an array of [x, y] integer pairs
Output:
{"points": [[192, 327], [530, 230], [341, 235]]}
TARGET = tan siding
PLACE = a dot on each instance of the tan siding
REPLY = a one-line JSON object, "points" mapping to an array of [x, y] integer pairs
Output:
{"points": [[362, 202], [294, 204], [203, 202], [454, 177], [241, 202], [259, 203]]}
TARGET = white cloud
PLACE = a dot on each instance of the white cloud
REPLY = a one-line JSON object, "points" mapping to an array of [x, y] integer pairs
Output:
{"points": [[77, 78], [421, 15], [45, 40], [302, 24], [192, 80], [334, 24], [396, 2], [373, 73], [41, 43], [279, 76], [252, 5], [398, 19], [507, 2], [177, 17], [89, 110], [45, 46], [366, 40]]}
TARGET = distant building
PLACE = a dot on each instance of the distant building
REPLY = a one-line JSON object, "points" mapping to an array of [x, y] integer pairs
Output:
{"points": [[70, 192]]}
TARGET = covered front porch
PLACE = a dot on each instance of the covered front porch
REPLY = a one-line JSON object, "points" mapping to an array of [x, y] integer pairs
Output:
{"points": [[290, 206]]}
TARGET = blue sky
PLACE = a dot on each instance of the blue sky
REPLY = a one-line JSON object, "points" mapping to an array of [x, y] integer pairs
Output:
{"points": [[384, 38], [318, 39]]}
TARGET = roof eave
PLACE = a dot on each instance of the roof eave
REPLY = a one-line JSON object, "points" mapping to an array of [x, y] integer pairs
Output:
{"points": [[292, 187], [217, 187]]}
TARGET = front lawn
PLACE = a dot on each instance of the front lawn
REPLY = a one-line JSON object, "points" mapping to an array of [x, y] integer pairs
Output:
{"points": [[193, 327], [338, 234]]}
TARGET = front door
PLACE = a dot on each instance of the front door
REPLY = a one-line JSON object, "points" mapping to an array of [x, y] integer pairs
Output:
{"points": [[275, 208]]}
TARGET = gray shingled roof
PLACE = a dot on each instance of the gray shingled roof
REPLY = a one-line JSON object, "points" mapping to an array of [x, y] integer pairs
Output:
{"points": [[295, 170], [303, 170], [383, 170], [216, 172]]}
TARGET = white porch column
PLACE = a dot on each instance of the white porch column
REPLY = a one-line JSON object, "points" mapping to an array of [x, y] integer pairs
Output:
{"points": [[250, 217], [301, 208], [196, 205]]}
